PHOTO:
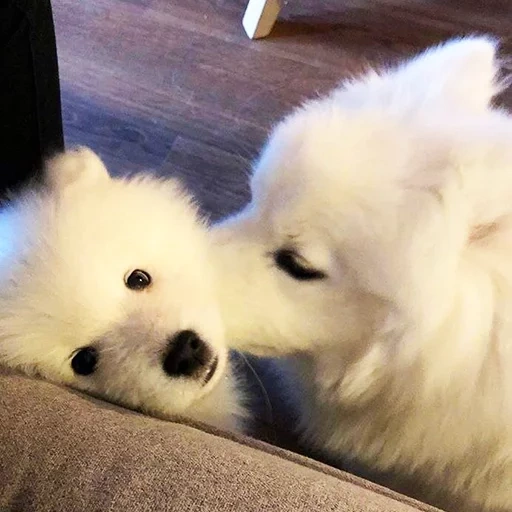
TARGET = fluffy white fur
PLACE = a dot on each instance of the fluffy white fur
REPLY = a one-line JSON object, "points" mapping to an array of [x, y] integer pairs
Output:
{"points": [[398, 187], [64, 253]]}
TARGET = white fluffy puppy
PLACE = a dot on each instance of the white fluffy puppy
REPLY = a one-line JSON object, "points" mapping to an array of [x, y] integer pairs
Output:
{"points": [[378, 245], [105, 286]]}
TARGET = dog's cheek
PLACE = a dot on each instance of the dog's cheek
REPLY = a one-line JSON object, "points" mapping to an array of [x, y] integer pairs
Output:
{"points": [[364, 379]]}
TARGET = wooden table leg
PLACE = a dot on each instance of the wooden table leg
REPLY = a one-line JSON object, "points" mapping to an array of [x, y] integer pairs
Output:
{"points": [[260, 16]]}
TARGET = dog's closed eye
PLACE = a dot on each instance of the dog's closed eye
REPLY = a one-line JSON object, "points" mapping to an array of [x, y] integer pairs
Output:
{"points": [[296, 266]]}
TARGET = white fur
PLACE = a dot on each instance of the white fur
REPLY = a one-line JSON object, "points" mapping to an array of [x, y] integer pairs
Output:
{"points": [[398, 187], [66, 249]]}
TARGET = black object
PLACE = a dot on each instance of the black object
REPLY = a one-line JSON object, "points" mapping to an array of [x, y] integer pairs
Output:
{"points": [[30, 106]]}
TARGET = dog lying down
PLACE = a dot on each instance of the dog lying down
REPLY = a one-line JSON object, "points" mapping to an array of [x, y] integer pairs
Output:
{"points": [[106, 286], [378, 248]]}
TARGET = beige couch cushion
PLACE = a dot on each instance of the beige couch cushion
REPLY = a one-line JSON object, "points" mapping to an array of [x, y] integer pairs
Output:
{"points": [[64, 451]]}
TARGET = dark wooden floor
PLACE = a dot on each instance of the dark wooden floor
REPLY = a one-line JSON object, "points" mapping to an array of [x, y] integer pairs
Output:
{"points": [[176, 86]]}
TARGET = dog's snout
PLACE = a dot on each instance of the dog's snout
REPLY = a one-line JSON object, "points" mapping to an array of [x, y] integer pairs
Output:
{"points": [[187, 354]]}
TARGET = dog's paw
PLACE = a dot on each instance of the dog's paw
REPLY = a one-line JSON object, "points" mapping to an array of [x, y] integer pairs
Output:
{"points": [[78, 165]]}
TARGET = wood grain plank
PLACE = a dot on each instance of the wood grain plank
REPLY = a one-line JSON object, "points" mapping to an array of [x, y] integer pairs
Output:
{"points": [[125, 143], [213, 173], [140, 74]]}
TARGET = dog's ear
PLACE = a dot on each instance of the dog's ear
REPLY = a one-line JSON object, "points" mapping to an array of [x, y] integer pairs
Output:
{"points": [[459, 74], [78, 166]]}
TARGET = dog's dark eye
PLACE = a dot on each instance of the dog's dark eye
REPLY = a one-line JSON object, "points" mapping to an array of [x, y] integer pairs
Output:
{"points": [[84, 361], [296, 266], [138, 280]]}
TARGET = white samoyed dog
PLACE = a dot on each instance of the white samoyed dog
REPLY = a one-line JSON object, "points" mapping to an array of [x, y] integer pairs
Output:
{"points": [[106, 286], [378, 247]]}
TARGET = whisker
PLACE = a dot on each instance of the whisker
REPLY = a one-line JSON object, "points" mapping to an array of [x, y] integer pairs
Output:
{"points": [[268, 403]]}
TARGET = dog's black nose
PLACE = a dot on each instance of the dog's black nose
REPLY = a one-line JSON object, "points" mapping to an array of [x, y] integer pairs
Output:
{"points": [[187, 355]]}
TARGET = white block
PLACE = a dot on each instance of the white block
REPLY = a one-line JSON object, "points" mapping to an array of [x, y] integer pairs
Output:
{"points": [[260, 16]]}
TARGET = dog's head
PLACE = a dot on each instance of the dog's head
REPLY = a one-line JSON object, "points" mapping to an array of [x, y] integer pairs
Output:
{"points": [[105, 285], [354, 226]]}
